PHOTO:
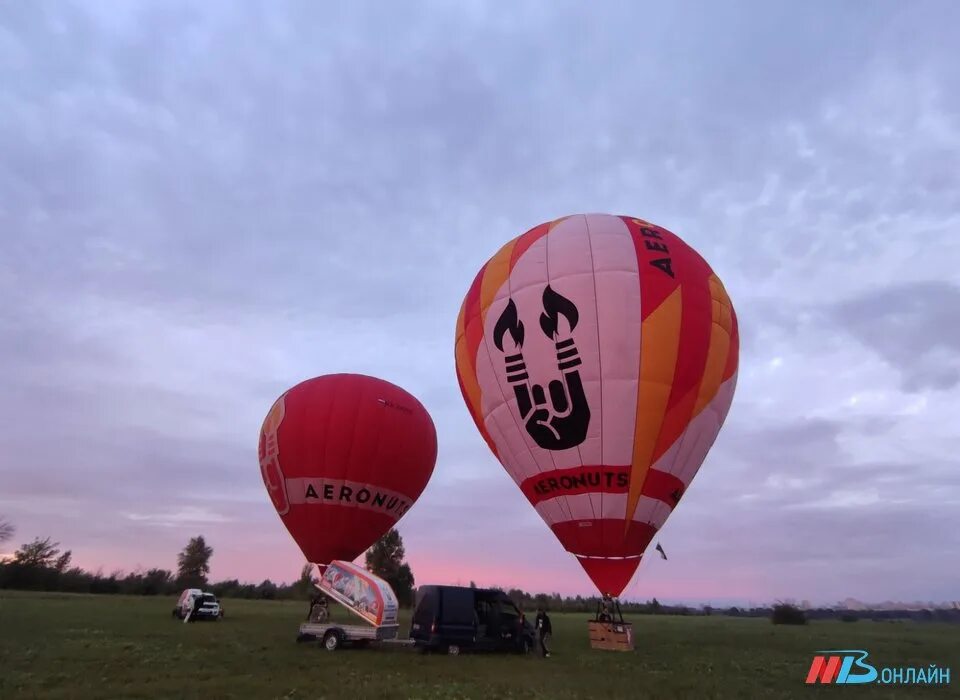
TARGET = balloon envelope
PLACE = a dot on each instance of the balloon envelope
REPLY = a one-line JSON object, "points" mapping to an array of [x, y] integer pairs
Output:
{"points": [[598, 357], [343, 457]]}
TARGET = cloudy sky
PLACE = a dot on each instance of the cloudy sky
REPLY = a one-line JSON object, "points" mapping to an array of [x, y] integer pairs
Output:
{"points": [[202, 204]]}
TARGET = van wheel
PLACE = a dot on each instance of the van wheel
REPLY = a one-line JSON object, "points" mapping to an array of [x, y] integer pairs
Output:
{"points": [[453, 650], [331, 640]]}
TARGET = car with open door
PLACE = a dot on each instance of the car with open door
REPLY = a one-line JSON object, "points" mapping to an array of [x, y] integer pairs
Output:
{"points": [[195, 604], [456, 618]]}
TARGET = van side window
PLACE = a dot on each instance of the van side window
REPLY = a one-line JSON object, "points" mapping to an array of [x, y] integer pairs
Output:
{"points": [[483, 611], [509, 615]]}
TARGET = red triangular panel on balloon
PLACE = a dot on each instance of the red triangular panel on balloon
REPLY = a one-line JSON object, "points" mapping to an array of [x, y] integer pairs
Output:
{"points": [[610, 576]]}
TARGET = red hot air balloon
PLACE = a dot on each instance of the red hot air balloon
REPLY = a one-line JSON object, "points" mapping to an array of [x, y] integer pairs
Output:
{"points": [[343, 457], [598, 358]]}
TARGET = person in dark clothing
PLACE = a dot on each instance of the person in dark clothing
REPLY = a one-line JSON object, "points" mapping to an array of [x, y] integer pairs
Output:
{"points": [[197, 603], [605, 614], [319, 609], [544, 630]]}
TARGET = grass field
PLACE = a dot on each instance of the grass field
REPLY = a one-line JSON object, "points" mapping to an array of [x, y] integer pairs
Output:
{"points": [[65, 646]]}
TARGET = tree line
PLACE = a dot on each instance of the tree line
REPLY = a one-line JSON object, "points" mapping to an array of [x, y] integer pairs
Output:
{"points": [[41, 565]]}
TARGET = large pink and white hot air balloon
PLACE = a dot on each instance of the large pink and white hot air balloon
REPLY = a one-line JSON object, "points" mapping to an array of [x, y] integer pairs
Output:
{"points": [[598, 357]]}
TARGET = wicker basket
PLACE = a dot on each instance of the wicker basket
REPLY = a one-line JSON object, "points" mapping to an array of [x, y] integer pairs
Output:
{"points": [[613, 636]]}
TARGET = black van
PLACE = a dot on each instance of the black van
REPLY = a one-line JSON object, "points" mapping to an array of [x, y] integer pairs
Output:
{"points": [[455, 618]]}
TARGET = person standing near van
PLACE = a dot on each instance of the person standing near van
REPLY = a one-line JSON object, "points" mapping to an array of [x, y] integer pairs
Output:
{"points": [[544, 629]]}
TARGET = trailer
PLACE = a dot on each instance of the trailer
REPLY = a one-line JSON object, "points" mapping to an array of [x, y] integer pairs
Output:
{"points": [[333, 635], [365, 596]]}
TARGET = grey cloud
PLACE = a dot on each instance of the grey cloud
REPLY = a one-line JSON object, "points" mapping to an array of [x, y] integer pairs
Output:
{"points": [[202, 204], [351, 148], [126, 464], [914, 327], [779, 492], [839, 552], [805, 441], [804, 448], [464, 506], [787, 506]]}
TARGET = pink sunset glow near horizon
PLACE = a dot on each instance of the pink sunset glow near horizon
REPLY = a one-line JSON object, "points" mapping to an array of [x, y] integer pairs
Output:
{"points": [[282, 562], [189, 226]]}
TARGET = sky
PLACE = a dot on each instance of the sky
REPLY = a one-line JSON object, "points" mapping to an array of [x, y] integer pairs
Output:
{"points": [[202, 204]]}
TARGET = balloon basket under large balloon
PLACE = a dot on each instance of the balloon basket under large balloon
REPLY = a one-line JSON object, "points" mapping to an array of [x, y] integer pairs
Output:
{"points": [[608, 630]]}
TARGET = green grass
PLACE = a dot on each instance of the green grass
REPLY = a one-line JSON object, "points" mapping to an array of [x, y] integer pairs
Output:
{"points": [[66, 646]]}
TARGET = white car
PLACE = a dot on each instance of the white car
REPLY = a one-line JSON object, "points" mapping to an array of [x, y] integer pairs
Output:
{"points": [[195, 604]]}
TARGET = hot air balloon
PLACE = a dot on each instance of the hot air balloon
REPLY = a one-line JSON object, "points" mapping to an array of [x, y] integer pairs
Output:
{"points": [[597, 355], [343, 457]]}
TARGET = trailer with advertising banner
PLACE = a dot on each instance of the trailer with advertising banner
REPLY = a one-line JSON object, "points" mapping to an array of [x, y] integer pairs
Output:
{"points": [[365, 596]]}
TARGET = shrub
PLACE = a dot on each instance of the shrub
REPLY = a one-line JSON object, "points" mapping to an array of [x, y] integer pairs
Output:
{"points": [[784, 614]]}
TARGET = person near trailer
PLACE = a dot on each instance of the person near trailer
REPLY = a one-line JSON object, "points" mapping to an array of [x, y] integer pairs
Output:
{"points": [[544, 630], [319, 609]]}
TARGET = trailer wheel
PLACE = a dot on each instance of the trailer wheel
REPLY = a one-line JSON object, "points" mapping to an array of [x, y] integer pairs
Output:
{"points": [[453, 650], [331, 640]]}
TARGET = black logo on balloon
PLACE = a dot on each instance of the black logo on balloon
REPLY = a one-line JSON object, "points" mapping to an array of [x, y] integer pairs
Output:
{"points": [[562, 423]]}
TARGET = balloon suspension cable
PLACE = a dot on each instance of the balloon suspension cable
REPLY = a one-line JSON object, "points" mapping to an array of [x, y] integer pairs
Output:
{"points": [[634, 584], [607, 607], [321, 568]]}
